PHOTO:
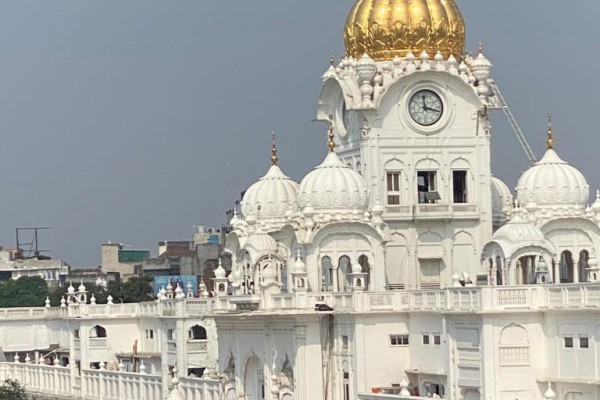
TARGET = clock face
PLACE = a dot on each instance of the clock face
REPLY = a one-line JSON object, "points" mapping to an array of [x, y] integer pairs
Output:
{"points": [[425, 107]]}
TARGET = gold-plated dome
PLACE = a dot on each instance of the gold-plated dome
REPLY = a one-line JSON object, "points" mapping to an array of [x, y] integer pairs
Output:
{"points": [[385, 29]]}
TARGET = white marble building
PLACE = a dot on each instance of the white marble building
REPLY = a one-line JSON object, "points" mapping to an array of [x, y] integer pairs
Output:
{"points": [[400, 267]]}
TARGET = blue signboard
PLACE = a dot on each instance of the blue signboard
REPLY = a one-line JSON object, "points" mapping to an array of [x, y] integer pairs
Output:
{"points": [[182, 280]]}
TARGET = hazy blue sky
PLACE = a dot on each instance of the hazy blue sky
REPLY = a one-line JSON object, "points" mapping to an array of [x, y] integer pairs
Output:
{"points": [[133, 120]]}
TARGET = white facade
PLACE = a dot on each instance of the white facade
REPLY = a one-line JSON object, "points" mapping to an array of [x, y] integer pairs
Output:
{"points": [[398, 268]]}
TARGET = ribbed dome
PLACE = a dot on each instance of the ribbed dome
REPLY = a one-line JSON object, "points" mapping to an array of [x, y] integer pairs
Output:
{"points": [[519, 230], [385, 29], [333, 186], [275, 193], [552, 181], [261, 242], [499, 193]]}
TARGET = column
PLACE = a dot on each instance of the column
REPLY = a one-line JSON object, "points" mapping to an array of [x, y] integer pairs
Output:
{"points": [[575, 270]]}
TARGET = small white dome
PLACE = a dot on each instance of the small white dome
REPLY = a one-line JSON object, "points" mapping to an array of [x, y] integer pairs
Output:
{"points": [[220, 271], [261, 242], [71, 289], [333, 186], [500, 192], [299, 265], [551, 182], [275, 194], [519, 230]]}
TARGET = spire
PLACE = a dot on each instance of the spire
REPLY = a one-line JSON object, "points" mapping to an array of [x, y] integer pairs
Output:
{"points": [[550, 141], [330, 136], [274, 157]]}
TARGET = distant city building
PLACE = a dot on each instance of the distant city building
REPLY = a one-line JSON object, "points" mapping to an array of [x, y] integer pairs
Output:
{"points": [[198, 257], [127, 263], [399, 268], [13, 266]]}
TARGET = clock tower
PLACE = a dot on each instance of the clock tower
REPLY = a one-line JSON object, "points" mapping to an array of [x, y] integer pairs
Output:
{"points": [[410, 112]]}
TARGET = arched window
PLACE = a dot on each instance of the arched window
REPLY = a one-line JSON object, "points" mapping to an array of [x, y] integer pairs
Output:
{"points": [[97, 331], [197, 332], [363, 260], [326, 273], [584, 258], [499, 281], [345, 269], [566, 267]]}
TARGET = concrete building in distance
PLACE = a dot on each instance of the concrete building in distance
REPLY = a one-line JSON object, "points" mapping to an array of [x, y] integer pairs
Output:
{"points": [[398, 268], [127, 263], [13, 266], [199, 256]]}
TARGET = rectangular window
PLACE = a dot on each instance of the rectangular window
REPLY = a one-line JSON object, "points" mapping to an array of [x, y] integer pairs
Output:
{"points": [[459, 185], [393, 188], [399, 340], [344, 342], [427, 187], [437, 339], [569, 342], [584, 342], [426, 339]]}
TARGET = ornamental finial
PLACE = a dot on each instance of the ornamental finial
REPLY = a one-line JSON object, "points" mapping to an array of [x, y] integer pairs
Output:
{"points": [[550, 141], [331, 60], [480, 48], [274, 157], [330, 135]]}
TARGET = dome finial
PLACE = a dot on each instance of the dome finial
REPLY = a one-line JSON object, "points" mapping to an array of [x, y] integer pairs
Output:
{"points": [[550, 141], [330, 135], [274, 157], [331, 60], [480, 48]]}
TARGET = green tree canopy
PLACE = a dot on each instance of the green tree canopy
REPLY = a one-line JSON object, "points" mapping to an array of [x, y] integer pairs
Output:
{"points": [[13, 390], [27, 291]]}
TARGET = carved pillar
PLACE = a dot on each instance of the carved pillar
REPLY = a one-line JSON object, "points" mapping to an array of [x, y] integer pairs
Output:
{"points": [[575, 270]]}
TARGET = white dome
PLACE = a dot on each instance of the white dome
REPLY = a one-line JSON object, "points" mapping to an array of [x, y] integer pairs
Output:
{"points": [[333, 186], [260, 244], [299, 266], [518, 233], [220, 271], [274, 193], [519, 230], [499, 194], [552, 181]]}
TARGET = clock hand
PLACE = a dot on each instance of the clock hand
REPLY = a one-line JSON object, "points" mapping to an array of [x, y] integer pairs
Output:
{"points": [[433, 109], [424, 104]]}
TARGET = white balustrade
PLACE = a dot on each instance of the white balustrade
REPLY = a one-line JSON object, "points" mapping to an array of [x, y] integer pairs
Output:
{"points": [[107, 385], [200, 389], [98, 343], [197, 346]]}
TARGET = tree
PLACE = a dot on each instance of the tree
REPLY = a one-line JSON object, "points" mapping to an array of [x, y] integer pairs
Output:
{"points": [[27, 291], [13, 390]]}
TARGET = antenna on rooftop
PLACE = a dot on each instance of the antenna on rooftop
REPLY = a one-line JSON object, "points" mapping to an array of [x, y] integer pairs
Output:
{"points": [[29, 249]]}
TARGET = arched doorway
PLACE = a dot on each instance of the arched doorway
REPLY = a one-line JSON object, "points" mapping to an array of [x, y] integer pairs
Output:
{"points": [[254, 383]]}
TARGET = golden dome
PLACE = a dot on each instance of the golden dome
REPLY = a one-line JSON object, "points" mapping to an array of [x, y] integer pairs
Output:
{"points": [[385, 29]]}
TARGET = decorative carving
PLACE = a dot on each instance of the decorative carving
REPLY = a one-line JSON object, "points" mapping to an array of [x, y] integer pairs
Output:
{"points": [[380, 300]]}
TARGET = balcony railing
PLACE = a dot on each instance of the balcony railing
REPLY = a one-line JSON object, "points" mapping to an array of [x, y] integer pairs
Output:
{"points": [[98, 343], [55, 381], [197, 346]]}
